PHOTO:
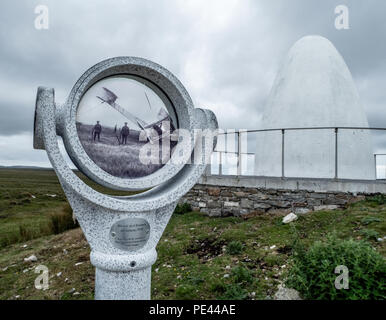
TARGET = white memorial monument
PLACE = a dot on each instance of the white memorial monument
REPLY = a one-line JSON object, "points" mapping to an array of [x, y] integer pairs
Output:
{"points": [[314, 88]]}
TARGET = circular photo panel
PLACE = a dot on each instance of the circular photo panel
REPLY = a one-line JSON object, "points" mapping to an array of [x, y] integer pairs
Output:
{"points": [[127, 126]]}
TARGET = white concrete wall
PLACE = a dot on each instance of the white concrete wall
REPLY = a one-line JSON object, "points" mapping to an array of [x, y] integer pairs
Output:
{"points": [[314, 88]]}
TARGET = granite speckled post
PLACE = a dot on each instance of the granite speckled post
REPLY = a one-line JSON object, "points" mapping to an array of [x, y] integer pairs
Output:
{"points": [[122, 272]]}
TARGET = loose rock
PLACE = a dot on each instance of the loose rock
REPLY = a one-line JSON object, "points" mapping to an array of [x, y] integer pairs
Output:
{"points": [[284, 293], [290, 217], [31, 259]]}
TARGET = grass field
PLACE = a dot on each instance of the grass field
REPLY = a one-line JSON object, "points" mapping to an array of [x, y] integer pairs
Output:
{"points": [[119, 160], [198, 257], [28, 198]]}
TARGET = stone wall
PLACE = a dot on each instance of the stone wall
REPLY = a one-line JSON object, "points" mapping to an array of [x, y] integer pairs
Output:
{"points": [[221, 201]]}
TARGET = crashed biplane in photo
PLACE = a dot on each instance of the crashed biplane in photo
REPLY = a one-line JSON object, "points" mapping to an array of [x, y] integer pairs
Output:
{"points": [[162, 128]]}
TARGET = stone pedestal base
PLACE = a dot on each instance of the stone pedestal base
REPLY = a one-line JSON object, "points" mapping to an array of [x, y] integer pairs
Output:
{"points": [[131, 285]]}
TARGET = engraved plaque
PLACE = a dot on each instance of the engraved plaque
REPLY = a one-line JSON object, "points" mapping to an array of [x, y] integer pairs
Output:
{"points": [[130, 234]]}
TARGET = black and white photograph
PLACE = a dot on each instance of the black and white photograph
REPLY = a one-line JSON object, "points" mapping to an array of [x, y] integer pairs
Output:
{"points": [[116, 118]]}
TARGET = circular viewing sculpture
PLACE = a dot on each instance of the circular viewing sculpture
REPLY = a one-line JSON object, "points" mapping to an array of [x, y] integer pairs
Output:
{"points": [[120, 114], [160, 81]]}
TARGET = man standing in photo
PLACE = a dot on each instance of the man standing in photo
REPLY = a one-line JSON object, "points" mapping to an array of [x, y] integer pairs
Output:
{"points": [[96, 131], [124, 133]]}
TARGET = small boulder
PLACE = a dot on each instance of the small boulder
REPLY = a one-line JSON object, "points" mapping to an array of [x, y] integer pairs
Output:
{"points": [[289, 218], [31, 259], [284, 293]]}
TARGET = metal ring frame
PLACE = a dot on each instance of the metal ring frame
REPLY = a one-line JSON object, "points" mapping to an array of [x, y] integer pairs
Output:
{"points": [[163, 83]]}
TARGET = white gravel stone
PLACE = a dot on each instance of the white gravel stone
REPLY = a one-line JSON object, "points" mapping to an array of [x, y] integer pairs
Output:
{"points": [[290, 217], [51, 195], [31, 258]]}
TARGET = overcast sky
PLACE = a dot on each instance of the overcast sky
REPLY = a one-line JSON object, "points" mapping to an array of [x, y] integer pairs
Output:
{"points": [[226, 53]]}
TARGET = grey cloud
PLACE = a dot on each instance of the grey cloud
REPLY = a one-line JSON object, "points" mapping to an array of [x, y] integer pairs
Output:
{"points": [[225, 53]]}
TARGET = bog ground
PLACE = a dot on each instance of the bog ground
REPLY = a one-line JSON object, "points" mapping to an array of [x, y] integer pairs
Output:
{"points": [[198, 257]]}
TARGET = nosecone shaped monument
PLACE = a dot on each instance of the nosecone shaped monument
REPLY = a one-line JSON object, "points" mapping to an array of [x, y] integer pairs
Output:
{"points": [[314, 88]]}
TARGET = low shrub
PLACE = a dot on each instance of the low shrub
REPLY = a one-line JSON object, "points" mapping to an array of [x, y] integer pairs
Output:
{"points": [[183, 208], [241, 275], [25, 233], [234, 292], [273, 260], [378, 199], [63, 220], [234, 248], [186, 292], [369, 234], [313, 270], [195, 280], [218, 286], [370, 219]]}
